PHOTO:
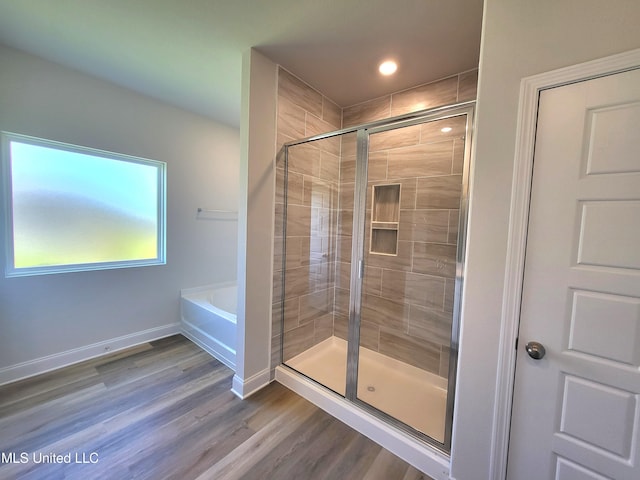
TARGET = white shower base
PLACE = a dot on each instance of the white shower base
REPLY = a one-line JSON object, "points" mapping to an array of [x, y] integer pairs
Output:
{"points": [[409, 394]]}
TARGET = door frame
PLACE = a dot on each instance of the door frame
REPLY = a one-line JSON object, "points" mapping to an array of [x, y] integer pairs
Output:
{"points": [[530, 89]]}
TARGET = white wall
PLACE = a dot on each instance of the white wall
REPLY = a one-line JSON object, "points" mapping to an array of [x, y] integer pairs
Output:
{"points": [[520, 38], [50, 314], [255, 227]]}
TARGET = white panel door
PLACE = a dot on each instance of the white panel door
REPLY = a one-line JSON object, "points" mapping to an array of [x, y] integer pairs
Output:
{"points": [[576, 410]]}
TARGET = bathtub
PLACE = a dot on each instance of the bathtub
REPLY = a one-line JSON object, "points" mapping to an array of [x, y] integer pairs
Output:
{"points": [[208, 318]]}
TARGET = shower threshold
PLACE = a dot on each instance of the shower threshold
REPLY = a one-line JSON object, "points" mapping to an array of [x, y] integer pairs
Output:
{"points": [[409, 394]]}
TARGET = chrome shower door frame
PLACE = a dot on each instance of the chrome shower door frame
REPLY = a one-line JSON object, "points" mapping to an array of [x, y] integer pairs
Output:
{"points": [[358, 253]]}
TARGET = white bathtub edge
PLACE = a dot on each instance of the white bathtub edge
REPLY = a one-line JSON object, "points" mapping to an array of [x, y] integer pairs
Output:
{"points": [[212, 346], [213, 286], [41, 365], [422, 457]]}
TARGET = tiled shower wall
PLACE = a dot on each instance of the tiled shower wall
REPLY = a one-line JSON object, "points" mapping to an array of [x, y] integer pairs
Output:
{"points": [[407, 304], [312, 183], [407, 298]]}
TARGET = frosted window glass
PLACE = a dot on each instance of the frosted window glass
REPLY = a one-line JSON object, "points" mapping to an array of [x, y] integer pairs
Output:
{"points": [[75, 209]]}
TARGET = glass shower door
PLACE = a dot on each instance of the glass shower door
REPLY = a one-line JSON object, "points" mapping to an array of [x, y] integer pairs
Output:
{"points": [[372, 241], [317, 261], [414, 195]]}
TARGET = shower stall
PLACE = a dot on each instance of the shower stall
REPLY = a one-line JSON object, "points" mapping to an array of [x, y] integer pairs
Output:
{"points": [[371, 238]]}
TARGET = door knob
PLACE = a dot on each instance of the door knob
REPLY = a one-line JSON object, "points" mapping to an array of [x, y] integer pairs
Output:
{"points": [[535, 350]]}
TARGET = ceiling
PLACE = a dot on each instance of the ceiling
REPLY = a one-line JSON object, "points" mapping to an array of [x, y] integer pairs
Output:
{"points": [[189, 52]]}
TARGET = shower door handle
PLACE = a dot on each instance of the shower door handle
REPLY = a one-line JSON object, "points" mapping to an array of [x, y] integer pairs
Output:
{"points": [[361, 269], [535, 350]]}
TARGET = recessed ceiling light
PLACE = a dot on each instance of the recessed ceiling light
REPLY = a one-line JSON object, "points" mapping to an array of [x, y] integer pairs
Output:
{"points": [[446, 129], [388, 67]]}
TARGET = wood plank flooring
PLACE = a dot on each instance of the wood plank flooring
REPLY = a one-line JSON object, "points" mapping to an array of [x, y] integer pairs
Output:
{"points": [[164, 410]]}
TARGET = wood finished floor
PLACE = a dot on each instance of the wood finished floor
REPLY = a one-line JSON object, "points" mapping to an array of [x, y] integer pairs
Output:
{"points": [[165, 410]]}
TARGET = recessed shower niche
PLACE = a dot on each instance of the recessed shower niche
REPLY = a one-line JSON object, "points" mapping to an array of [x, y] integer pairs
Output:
{"points": [[385, 217], [373, 228]]}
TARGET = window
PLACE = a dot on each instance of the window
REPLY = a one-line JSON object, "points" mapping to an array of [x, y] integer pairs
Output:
{"points": [[70, 208]]}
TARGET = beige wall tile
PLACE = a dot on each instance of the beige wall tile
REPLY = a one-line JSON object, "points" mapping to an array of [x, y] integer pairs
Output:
{"points": [[340, 326], [434, 259], [294, 187], [417, 352], [454, 219], [345, 222], [297, 282], [372, 280], [369, 335], [331, 113], [322, 275], [400, 137], [384, 312], [319, 193], [414, 288], [291, 314], [370, 111], [408, 192], [424, 225], [467, 86], [280, 141], [376, 169], [306, 248], [431, 132], [294, 256], [458, 156], [298, 340], [291, 119], [421, 160], [431, 95], [343, 275], [305, 159], [323, 328], [315, 126], [449, 294], [439, 192], [346, 196], [344, 248], [329, 166], [445, 354], [347, 169], [316, 305], [348, 143], [402, 261], [430, 324], [299, 93], [342, 301], [298, 221]]}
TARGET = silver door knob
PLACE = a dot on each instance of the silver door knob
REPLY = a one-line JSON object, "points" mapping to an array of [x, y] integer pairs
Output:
{"points": [[535, 350]]}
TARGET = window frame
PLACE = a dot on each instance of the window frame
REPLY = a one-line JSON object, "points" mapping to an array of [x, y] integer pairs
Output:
{"points": [[7, 203]]}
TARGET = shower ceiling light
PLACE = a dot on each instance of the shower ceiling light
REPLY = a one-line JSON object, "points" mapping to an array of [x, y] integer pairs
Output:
{"points": [[388, 67], [446, 129]]}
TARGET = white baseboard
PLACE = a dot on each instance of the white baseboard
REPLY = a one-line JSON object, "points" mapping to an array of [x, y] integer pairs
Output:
{"points": [[245, 388], [30, 368], [212, 346], [423, 457]]}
